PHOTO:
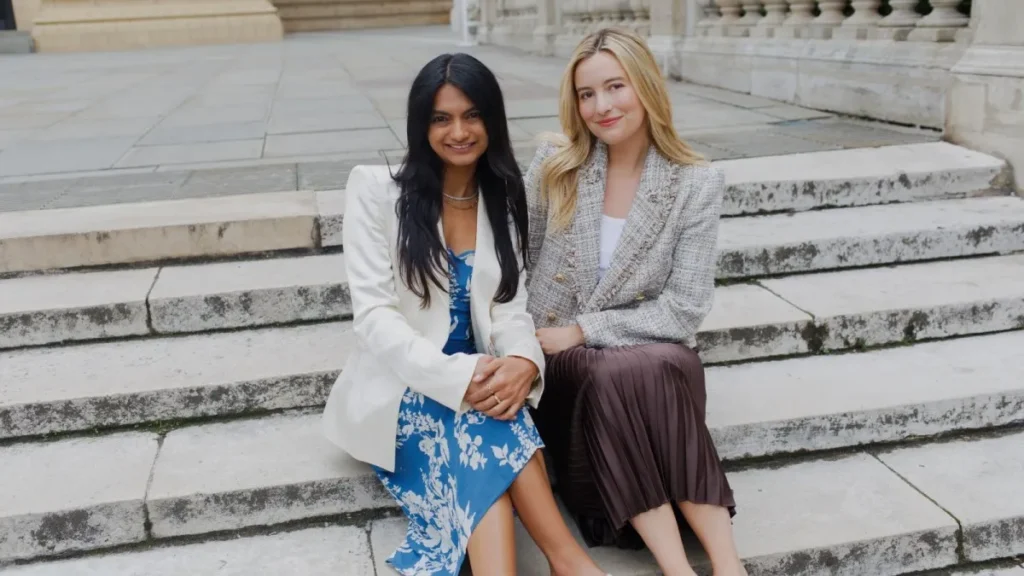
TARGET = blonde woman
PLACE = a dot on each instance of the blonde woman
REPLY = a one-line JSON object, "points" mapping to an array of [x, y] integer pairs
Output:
{"points": [[623, 228]]}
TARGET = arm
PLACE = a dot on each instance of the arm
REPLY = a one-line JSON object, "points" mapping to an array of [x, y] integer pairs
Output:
{"points": [[514, 334], [677, 313], [377, 321], [538, 208]]}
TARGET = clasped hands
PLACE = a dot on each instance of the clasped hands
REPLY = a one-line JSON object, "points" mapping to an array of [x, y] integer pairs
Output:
{"points": [[500, 386]]}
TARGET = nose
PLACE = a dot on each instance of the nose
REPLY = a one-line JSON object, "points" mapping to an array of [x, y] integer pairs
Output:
{"points": [[604, 103], [459, 131]]}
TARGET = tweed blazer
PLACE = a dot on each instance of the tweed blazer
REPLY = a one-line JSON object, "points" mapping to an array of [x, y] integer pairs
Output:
{"points": [[661, 281]]}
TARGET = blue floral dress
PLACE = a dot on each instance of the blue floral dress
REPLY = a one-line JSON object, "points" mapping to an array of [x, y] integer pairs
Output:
{"points": [[450, 469]]}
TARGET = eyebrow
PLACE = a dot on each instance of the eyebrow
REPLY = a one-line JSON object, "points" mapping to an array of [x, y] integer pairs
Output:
{"points": [[442, 112], [608, 81]]}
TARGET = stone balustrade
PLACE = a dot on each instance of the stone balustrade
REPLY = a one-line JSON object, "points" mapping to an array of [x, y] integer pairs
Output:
{"points": [[899, 20]]}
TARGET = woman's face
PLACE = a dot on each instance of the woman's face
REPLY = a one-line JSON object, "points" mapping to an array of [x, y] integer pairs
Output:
{"points": [[457, 132], [607, 102]]}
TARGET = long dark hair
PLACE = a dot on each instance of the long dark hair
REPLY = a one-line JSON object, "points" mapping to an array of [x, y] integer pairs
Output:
{"points": [[421, 254]]}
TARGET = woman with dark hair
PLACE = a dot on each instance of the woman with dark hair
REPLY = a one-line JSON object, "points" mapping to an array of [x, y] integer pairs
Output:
{"points": [[434, 395]]}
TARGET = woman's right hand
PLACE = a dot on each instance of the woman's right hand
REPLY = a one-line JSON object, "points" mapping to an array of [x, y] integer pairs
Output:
{"points": [[476, 387]]}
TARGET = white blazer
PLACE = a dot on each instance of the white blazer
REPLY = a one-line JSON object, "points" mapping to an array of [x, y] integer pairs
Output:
{"points": [[398, 343]]}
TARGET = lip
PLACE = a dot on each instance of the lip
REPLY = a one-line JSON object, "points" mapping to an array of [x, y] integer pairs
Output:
{"points": [[461, 148], [609, 122]]}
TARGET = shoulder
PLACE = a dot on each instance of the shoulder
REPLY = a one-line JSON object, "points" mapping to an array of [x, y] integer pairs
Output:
{"points": [[371, 185], [704, 181], [548, 145]]}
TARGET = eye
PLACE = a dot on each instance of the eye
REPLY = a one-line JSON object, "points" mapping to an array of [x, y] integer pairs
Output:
{"points": [[585, 95], [473, 115], [618, 85], [439, 119]]}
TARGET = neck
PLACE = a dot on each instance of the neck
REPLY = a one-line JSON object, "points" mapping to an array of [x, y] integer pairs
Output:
{"points": [[458, 180], [629, 154]]}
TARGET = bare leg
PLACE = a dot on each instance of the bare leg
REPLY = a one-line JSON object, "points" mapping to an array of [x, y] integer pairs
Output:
{"points": [[492, 546], [533, 500], [661, 534], [714, 529]]}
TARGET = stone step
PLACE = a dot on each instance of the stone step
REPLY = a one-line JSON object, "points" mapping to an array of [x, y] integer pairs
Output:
{"points": [[869, 236], [118, 383], [16, 42], [884, 512], [272, 221], [46, 309]]}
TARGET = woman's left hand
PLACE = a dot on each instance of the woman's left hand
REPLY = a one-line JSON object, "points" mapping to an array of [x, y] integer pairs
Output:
{"points": [[555, 340], [504, 384]]}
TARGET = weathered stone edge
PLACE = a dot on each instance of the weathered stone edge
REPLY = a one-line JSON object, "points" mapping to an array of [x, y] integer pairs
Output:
{"points": [[91, 528], [832, 254], [169, 404], [995, 539], [896, 554], [870, 426], [266, 505]]}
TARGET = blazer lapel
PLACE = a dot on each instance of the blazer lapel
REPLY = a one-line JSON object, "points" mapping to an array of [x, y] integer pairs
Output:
{"points": [[587, 222], [644, 223], [483, 283]]}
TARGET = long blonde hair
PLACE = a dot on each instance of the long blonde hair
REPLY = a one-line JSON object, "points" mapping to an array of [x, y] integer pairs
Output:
{"points": [[559, 172]]}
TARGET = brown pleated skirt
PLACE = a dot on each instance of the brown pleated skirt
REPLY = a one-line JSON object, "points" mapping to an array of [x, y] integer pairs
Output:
{"points": [[625, 432]]}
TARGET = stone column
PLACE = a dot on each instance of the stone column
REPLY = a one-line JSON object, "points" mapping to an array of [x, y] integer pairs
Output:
{"points": [[984, 108], [944, 24], [548, 27], [899, 23], [831, 17], [101, 25], [775, 17], [864, 19], [483, 28], [668, 24], [731, 10], [798, 23]]}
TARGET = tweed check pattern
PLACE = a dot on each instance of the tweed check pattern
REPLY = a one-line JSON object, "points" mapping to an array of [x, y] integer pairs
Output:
{"points": [[661, 282]]}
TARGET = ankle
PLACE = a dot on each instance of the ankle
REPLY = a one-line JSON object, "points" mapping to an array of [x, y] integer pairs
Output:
{"points": [[573, 562], [730, 567]]}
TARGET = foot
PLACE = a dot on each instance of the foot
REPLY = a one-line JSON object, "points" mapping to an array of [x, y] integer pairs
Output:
{"points": [[732, 569]]}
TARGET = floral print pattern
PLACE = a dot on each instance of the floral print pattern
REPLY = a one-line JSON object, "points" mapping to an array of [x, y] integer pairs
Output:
{"points": [[450, 468]]}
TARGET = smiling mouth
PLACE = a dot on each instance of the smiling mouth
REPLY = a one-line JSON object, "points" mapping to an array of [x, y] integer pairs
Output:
{"points": [[461, 147], [609, 122]]}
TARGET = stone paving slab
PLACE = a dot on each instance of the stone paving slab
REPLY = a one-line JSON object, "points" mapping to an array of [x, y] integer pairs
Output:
{"points": [[918, 301], [254, 293], [55, 308], [126, 382], [797, 520], [328, 551], [261, 472], [781, 183], [779, 317], [871, 235], [330, 206], [856, 177], [747, 321], [78, 494], [977, 481], [837, 401], [753, 186], [124, 233]]}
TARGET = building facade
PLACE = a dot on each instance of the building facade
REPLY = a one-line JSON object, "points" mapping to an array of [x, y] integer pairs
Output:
{"points": [[953, 65], [92, 25]]}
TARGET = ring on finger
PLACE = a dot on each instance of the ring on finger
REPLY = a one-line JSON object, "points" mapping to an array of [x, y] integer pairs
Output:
{"points": [[496, 399]]}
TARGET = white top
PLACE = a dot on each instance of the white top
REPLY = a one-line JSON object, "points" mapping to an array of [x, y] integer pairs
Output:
{"points": [[611, 231]]}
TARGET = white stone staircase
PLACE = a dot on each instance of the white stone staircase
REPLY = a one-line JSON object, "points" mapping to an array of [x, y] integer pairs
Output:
{"points": [[162, 367]]}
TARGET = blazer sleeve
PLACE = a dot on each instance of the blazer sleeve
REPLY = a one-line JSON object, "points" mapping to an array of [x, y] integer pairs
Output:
{"points": [[377, 321], [515, 334], [537, 207], [677, 313]]}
